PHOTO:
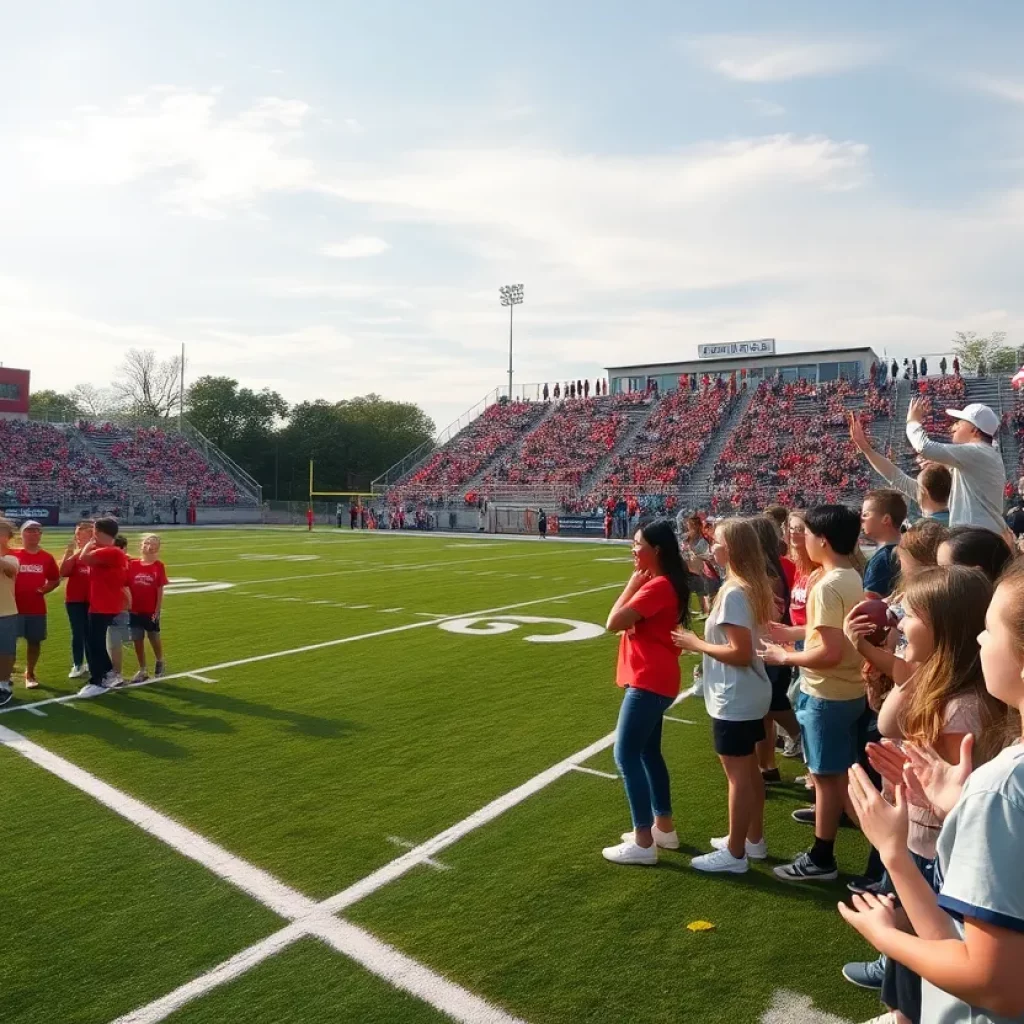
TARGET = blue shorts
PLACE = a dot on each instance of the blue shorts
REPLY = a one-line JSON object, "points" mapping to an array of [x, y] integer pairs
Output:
{"points": [[9, 634], [829, 729], [32, 628]]}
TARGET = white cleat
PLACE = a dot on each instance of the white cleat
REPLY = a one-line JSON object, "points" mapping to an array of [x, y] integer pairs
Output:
{"points": [[630, 853], [665, 840], [721, 861], [755, 851], [92, 690]]}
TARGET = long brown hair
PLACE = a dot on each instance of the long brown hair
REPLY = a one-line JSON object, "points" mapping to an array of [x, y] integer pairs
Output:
{"points": [[798, 549], [747, 568], [1013, 579], [953, 601]]}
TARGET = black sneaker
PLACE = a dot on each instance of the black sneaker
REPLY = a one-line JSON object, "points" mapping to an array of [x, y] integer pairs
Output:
{"points": [[863, 884], [803, 869], [6, 694], [805, 815], [772, 776]]}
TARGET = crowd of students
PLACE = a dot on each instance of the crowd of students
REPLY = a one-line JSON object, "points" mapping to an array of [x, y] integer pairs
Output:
{"points": [[900, 681], [38, 460], [111, 599]]}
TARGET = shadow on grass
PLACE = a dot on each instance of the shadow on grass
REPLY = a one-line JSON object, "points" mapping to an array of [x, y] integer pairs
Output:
{"points": [[76, 721], [825, 894], [212, 700]]}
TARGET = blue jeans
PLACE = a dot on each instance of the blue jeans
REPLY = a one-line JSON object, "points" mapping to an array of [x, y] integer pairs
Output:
{"points": [[638, 755]]}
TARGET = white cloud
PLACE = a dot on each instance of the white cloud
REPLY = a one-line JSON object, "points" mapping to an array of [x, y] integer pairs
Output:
{"points": [[356, 248], [775, 58], [215, 160], [1009, 89]]}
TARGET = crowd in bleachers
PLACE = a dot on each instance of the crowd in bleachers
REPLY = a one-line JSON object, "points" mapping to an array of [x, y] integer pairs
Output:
{"points": [[164, 463], [673, 439], [791, 446], [567, 445], [37, 458], [462, 458]]}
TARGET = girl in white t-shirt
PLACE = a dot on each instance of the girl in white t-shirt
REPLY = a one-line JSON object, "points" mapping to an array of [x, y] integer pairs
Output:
{"points": [[737, 692], [966, 934]]}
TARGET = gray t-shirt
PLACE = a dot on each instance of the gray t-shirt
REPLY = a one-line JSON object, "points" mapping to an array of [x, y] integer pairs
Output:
{"points": [[978, 479], [979, 871], [734, 693]]}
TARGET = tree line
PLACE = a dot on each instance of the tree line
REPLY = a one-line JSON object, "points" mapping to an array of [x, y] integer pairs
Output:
{"points": [[351, 441]]}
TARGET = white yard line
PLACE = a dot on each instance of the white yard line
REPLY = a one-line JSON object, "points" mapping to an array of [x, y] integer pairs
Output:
{"points": [[200, 679], [593, 771], [72, 697]]}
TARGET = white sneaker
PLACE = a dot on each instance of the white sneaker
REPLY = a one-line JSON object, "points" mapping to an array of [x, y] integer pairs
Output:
{"points": [[112, 681], [78, 672], [755, 851], [666, 840], [92, 690], [630, 853], [793, 747], [31, 683], [141, 676], [722, 861]]}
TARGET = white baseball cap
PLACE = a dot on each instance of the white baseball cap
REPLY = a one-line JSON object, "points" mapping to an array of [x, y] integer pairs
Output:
{"points": [[978, 415], [30, 524]]}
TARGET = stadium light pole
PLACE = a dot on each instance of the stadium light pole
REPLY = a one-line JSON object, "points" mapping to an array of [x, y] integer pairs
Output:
{"points": [[511, 295]]}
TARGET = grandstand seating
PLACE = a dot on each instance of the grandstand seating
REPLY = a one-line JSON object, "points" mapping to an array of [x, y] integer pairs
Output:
{"points": [[672, 440], [164, 463], [450, 467], [568, 445], [40, 463], [792, 447]]}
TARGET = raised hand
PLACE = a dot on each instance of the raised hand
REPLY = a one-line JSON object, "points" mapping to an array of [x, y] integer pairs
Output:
{"points": [[927, 776], [886, 826], [857, 435]]}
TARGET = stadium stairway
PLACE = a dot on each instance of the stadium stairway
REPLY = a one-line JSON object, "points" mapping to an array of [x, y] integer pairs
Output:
{"points": [[637, 415], [100, 446], [696, 494], [997, 393]]}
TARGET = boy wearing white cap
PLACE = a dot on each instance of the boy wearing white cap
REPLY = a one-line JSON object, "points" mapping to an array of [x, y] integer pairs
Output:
{"points": [[975, 464]]}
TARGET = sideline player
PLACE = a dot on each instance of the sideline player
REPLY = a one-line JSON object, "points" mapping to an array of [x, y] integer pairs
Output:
{"points": [[147, 577], [38, 574]]}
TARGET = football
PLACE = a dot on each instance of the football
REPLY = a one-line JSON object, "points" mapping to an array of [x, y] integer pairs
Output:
{"points": [[878, 612]]}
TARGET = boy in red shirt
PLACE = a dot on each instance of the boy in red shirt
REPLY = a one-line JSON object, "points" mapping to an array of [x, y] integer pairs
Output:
{"points": [[147, 578], [108, 577], [309, 519], [37, 576], [76, 596]]}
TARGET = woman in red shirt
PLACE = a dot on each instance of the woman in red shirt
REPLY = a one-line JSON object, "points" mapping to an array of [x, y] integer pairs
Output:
{"points": [[76, 596], [655, 600]]}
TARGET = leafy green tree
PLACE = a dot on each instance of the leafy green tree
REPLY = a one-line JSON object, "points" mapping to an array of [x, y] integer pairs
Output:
{"points": [[53, 407], [990, 352]]}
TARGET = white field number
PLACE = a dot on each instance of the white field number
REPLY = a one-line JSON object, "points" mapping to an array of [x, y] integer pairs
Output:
{"points": [[497, 624]]}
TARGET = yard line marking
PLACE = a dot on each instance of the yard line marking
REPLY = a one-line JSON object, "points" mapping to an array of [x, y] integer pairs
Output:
{"points": [[682, 721], [388, 611], [72, 698], [269, 891], [593, 771], [36, 711], [202, 679], [358, 607], [222, 973], [407, 974], [407, 845], [307, 916], [431, 615]]}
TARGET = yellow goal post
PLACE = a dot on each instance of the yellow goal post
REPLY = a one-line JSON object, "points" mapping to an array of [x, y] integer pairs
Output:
{"points": [[313, 493]]}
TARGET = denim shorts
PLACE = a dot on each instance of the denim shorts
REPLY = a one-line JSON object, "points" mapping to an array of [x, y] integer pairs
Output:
{"points": [[829, 729], [119, 632]]}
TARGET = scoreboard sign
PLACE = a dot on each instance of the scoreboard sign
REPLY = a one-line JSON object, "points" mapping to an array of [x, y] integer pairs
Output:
{"points": [[733, 349], [13, 393]]}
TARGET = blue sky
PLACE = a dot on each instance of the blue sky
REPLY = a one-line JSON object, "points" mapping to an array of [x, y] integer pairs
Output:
{"points": [[324, 197]]}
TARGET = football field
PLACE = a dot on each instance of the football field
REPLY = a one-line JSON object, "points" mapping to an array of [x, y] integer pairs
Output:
{"points": [[374, 787]]}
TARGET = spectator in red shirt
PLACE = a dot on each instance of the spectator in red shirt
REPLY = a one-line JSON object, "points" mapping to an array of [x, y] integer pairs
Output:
{"points": [[655, 600], [37, 576], [108, 578], [76, 596], [147, 578], [309, 518]]}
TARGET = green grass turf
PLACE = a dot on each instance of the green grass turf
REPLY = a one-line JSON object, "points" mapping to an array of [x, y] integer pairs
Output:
{"points": [[308, 982], [99, 917], [306, 764]]}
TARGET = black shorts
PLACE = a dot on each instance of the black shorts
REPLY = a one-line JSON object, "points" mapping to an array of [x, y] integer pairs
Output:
{"points": [[781, 676], [142, 624], [737, 739]]}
